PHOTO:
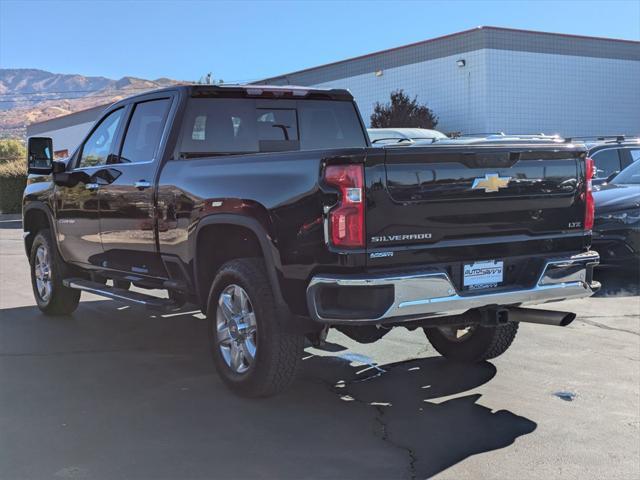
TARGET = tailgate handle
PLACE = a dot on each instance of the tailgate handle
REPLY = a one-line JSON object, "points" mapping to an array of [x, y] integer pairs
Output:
{"points": [[490, 159]]}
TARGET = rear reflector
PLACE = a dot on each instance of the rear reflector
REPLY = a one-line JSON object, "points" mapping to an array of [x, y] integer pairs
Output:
{"points": [[346, 219], [589, 204]]}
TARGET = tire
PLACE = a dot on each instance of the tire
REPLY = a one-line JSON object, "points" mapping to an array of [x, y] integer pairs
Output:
{"points": [[480, 344], [47, 272], [122, 284], [260, 331]]}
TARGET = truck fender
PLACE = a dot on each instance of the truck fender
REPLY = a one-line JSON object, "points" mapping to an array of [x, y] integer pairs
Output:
{"points": [[27, 209], [269, 251]]}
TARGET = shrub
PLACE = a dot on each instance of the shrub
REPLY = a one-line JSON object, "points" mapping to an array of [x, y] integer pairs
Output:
{"points": [[402, 112], [11, 149], [13, 179]]}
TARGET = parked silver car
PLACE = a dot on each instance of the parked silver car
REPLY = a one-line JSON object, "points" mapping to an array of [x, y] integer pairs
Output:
{"points": [[403, 136]]}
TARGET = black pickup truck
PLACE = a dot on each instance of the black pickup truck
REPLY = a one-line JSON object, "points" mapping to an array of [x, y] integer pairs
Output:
{"points": [[268, 208]]}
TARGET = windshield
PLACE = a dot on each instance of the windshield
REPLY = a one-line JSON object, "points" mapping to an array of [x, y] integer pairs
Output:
{"points": [[630, 175], [387, 135], [377, 135], [225, 126]]}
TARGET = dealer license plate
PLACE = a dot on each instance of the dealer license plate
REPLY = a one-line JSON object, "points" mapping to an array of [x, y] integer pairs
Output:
{"points": [[483, 274]]}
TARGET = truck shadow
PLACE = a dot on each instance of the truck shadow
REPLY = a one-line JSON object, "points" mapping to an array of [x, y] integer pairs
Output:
{"points": [[419, 409], [111, 393]]}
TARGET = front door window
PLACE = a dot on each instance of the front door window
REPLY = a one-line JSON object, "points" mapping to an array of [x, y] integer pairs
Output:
{"points": [[97, 148]]}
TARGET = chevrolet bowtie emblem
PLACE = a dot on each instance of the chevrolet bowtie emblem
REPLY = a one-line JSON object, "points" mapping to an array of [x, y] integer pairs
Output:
{"points": [[491, 182]]}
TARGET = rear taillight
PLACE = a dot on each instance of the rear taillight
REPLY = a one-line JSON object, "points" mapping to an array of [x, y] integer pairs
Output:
{"points": [[346, 219], [589, 205]]}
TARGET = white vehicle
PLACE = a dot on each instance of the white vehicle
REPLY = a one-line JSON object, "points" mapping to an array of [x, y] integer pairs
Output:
{"points": [[475, 138], [403, 136]]}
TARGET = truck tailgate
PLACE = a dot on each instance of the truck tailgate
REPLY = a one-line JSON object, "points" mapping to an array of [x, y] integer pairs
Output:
{"points": [[430, 204]]}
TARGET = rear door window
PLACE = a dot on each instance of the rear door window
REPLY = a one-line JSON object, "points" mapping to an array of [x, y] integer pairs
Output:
{"points": [[144, 131]]}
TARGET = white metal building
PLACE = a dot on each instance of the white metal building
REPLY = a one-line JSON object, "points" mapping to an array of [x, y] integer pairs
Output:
{"points": [[493, 79], [66, 131]]}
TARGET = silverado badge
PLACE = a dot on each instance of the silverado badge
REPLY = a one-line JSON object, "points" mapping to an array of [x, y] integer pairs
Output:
{"points": [[491, 182]]}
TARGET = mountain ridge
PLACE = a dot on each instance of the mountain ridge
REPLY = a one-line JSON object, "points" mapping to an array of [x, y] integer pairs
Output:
{"points": [[29, 95]]}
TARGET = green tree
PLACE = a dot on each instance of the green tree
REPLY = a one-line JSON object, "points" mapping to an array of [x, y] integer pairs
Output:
{"points": [[13, 175], [402, 112], [12, 149]]}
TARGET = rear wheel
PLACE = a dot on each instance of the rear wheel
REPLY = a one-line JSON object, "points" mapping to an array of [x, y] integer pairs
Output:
{"points": [[474, 343], [47, 272], [252, 350]]}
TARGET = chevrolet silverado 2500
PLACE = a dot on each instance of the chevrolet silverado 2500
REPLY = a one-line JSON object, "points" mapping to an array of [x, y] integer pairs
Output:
{"points": [[268, 208]]}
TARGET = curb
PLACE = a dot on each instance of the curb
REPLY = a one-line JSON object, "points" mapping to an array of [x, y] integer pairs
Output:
{"points": [[10, 217]]}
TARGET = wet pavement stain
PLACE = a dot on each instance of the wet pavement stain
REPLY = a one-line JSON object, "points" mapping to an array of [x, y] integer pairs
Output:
{"points": [[566, 396]]}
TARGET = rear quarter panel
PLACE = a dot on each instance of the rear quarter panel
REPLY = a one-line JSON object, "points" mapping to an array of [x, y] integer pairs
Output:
{"points": [[279, 190]]}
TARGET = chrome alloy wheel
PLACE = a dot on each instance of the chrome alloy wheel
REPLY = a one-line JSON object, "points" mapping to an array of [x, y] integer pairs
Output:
{"points": [[457, 334], [42, 272], [236, 328]]}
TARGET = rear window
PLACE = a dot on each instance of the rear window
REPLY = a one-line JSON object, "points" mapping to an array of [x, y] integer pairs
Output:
{"points": [[329, 124], [219, 126]]}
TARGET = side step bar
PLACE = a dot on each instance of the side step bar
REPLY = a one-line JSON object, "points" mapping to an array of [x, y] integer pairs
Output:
{"points": [[149, 301]]}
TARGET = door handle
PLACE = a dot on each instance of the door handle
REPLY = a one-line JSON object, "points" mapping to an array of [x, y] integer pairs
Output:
{"points": [[142, 184], [91, 186]]}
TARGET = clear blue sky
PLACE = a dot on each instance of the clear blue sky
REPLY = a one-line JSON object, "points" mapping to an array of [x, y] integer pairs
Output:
{"points": [[241, 41]]}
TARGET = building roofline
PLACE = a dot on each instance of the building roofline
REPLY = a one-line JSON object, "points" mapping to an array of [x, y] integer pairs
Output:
{"points": [[372, 54], [72, 114], [442, 37], [62, 121], [570, 35]]}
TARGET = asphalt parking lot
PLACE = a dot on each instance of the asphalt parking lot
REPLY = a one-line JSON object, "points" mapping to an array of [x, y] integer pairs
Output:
{"points": [[117, 392]]}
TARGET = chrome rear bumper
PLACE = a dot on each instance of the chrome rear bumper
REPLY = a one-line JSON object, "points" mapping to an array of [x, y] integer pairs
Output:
{"points": [[432, 293]]}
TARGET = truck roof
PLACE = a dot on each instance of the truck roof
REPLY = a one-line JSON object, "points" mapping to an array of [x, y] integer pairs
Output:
{"points": [[253, 91]]}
